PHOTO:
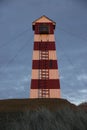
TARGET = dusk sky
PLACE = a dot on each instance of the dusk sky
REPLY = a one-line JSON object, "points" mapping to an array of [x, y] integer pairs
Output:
{"points": [[16, 46]]}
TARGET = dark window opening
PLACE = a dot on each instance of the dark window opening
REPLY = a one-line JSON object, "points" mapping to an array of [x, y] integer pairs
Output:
{"points": [[43, 29], [50, 63]]}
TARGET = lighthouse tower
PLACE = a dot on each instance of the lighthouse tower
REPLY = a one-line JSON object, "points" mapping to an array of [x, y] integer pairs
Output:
{"points": [[45, 78]]}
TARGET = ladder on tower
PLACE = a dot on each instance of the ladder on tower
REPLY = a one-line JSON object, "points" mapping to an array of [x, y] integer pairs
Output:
{"points": [[44, 92]]}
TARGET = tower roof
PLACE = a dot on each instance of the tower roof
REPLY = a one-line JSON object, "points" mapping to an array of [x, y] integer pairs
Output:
{"points": [[43, 19]]}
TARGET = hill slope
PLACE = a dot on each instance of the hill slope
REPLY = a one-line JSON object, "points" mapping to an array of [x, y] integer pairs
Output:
{"points": [[41, 114], [12, 105]]}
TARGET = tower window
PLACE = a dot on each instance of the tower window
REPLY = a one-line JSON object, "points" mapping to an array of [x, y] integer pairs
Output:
{"points": [[50, 63], [43, 29]]}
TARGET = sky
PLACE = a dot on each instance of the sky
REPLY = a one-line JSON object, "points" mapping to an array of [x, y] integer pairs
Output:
{"points": [[16, 46]]}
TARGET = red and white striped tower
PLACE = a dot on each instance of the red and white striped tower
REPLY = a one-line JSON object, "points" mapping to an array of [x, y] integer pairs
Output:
{"points": [[45, 78]]}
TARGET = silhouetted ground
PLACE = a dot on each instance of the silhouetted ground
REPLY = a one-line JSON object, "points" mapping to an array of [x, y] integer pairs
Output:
{"points": [[83, 106], [41, 114], [12, 105]]}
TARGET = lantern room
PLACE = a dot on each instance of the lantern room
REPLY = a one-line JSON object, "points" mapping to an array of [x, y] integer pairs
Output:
{"points": [[41, 27]]}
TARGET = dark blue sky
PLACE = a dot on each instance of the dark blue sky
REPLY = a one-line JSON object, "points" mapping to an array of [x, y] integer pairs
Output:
{"points": [[16, 45]]}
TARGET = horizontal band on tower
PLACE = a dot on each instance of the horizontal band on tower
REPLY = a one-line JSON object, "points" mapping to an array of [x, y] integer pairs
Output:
{"points": [[44, 38], [45, 84], [45, 74], [51, 55], [54, 93], [44, 64], [44, 46]]}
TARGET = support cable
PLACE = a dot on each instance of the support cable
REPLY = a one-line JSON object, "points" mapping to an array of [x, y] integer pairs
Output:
{"points": [[72, 34], [14, 38], [18, 52], [71, 63]]}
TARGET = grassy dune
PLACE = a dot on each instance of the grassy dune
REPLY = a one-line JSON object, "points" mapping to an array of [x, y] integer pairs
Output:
{"points": [[41, 114]]}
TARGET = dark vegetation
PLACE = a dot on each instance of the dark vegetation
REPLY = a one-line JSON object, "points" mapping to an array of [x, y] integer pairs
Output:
{"points": [[83, 105], [42, 114]]}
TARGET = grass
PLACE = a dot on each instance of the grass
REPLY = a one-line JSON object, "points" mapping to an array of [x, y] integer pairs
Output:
{"points": [[41, 114]]}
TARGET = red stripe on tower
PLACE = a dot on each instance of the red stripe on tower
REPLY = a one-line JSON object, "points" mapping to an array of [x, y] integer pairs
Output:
{"points": [[45, 77]]}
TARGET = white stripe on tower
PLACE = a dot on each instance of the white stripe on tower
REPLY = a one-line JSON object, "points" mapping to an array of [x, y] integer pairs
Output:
{"points": [[53, 74], [52, 55], [44, 38]]}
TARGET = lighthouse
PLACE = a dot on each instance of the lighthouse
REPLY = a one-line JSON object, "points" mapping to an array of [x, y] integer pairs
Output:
{"points": [[45, 81]]}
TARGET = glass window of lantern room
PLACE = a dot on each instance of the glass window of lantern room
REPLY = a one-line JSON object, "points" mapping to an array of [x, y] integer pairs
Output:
{"points": [[43, 29]]}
